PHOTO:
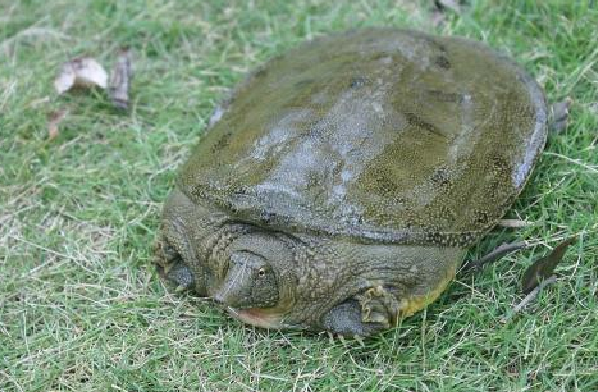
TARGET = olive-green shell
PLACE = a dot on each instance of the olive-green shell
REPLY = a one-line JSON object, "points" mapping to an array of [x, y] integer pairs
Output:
{"points": [[379, 134]]}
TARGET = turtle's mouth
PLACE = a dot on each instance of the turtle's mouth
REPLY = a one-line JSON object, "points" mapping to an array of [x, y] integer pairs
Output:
{"points": [[258, 317]]}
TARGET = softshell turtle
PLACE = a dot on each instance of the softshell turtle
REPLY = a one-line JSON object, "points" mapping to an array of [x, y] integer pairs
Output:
{"points": [[342, 183]]}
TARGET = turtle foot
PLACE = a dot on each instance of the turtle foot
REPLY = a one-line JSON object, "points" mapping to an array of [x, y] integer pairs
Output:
{"points": [[380, 306], [345, 319]]}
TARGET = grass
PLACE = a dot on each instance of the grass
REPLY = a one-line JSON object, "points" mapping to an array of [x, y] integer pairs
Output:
{"points": [[81, 308]]}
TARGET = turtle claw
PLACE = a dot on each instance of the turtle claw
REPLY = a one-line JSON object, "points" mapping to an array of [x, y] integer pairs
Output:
{"points": [[345, 319], [378, 305]]}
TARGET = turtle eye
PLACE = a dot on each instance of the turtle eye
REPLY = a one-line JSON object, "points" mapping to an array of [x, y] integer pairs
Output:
{"points": [[261, 272]]}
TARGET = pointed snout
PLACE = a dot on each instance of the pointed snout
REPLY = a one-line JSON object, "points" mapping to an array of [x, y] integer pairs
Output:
{"points": [[225, 296], [233, 289]]}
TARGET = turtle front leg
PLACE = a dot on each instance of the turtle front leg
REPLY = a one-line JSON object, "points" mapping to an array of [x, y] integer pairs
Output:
{"points": [[373, 310], [170, 265], [345, 319], [379, 306]]}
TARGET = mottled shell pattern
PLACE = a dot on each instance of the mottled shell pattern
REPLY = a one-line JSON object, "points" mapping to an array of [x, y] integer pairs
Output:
{"points": [[381, 135]]}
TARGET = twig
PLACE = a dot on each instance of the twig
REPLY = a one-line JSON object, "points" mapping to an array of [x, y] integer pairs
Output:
{"points": [[120, 79], [514, 223], [529, 298], [496, 254]]}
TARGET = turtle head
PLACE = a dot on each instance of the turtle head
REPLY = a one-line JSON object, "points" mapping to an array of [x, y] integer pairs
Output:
{"points": [[255, 283], [250, 282]]}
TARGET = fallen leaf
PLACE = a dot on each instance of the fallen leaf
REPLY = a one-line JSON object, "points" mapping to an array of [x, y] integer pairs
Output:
{"points": [[120, 79], [54, 118], [65, 80], [80, 72], [543, 268]]}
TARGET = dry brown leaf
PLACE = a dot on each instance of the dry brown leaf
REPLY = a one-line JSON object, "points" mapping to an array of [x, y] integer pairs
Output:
{"points": [[80, 72], [65, 79], [120, 79], [54, 119], [543, 268]]}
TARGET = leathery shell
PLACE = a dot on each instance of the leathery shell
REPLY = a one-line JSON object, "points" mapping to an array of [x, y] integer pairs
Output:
{"points": [[378, 134]]}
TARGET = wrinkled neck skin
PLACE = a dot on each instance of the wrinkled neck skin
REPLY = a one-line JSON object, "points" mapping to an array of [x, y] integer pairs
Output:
{"points": [[314, 275], [207, 240]]}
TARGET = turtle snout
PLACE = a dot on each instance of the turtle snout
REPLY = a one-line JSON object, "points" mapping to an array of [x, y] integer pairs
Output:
{"points": [[226, 296]]}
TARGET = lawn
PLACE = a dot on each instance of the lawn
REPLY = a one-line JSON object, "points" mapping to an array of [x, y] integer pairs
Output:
{"points": [[81, 307]]}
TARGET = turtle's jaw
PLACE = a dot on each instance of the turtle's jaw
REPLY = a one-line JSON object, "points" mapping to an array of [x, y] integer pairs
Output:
{"points": [[261, 318]]}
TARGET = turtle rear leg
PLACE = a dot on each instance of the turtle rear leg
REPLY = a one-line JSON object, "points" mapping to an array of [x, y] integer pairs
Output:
{"points": [[380, 306]]}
